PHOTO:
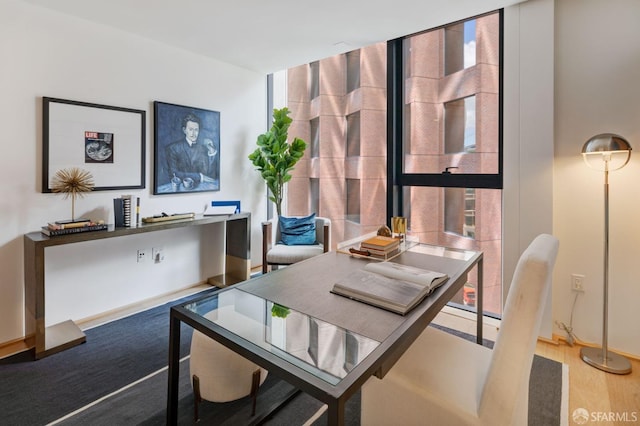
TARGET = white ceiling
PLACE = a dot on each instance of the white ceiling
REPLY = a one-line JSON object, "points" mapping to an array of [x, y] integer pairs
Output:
{"points": [[271, 35]]}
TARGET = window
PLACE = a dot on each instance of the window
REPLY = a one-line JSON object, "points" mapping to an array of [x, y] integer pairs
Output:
{"points": [[454, 210], [460, 46], [380, 140], [452, 122], [460, 211], [314, 141], [469, 227], [449, 165], [353, 200], [314, 195], [460, 126], [353, 70], [314, 77], [353, 134]]}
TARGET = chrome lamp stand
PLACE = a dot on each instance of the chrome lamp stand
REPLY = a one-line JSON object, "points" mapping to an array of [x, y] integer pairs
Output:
{"points": [[606, 147]]}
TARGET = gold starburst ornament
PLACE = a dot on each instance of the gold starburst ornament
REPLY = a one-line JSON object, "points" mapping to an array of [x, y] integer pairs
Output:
{"points": [[72, 182]]}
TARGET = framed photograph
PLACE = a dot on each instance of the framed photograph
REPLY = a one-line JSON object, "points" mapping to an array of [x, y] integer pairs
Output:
{"points": [[106, 141], [187, 149]]}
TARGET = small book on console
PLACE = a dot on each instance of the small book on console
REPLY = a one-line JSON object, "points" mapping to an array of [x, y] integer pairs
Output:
{"points": [[92, 226], [66, 224], [389, 285], [222, 207], [219, 210]]}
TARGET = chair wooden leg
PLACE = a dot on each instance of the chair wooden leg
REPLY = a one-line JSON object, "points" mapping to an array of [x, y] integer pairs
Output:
{"points": [[197, 398], [255, 385]]}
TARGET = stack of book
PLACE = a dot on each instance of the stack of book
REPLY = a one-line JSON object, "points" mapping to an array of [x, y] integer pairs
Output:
{"points": [[66, 227], [380, 245], [126, 210]]}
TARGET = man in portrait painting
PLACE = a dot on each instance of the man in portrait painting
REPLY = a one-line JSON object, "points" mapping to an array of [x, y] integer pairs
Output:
{"points": [[190, 161]]}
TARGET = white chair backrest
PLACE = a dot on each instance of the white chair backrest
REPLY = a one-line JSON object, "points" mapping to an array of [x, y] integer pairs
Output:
{"points": [[507, 381]]}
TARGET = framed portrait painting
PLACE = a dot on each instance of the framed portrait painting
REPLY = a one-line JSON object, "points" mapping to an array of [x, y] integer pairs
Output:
{"points": [[107, 141], [187, 149]]}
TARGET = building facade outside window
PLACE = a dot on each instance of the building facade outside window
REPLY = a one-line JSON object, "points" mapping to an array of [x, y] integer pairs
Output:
{"points": [[450, 119], [347, 118]]}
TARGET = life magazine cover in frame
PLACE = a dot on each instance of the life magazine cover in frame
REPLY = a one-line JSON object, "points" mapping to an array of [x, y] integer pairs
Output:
{"points": [[106, 141], [187, 149]]}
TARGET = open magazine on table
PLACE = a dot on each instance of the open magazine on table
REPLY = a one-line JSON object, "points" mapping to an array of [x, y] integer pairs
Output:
{"points": [[389, 285]]}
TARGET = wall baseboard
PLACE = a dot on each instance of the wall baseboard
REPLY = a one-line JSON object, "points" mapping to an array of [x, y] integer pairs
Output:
{"points": [[25, 343], [13, 347], [562, 339]]}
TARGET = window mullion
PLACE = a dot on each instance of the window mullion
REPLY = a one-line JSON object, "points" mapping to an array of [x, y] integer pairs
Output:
{"points": [[451, 180]]}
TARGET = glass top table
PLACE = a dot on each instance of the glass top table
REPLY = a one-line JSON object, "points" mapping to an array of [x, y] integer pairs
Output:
{"points": [[325, 350], [326, 345]]}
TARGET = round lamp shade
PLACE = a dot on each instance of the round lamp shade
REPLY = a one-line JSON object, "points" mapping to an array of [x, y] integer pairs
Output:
{"points": [[606, 151]]}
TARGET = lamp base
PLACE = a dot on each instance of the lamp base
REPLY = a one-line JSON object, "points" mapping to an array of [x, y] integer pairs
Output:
{"points": [[616, 364]]}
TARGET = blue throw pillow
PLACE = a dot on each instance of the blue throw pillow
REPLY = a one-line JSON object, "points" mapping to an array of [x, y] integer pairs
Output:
{"points": [[295, 231]]}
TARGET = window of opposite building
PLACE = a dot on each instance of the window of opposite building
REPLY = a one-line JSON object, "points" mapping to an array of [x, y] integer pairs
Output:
{"points": [[460, 46], [460, 126], [460, 211], [353, 200], [314, 139], [314, 80], [353, 134], [353, 70], [314, 195]]}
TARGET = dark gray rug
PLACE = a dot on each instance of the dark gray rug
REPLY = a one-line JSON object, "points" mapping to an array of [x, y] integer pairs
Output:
{"points": [[115, 355], [119, 377]]}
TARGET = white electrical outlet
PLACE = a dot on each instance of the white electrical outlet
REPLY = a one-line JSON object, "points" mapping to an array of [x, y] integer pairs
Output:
{"points": [[142, 255], [158, 254], [577, 282]]}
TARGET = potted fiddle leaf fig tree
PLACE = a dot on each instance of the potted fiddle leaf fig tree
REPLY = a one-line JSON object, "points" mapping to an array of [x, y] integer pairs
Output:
{"points": [[275, 158]]}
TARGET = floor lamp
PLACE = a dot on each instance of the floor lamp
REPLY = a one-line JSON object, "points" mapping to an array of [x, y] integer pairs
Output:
{"points": [[606, 152]]}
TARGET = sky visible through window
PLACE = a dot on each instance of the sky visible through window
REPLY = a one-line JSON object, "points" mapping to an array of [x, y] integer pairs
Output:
{"points": [[470, 123], [470, 43], [470, 103]]}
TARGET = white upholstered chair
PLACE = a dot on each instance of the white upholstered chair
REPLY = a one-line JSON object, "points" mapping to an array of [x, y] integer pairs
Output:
{"points": [[446, 380], [274, 253], [220, 375]]}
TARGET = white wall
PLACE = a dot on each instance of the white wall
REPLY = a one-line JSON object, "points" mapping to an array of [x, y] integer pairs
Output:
{"points": [[44, 53], [597, 91], [564, 83], [528, 134]]}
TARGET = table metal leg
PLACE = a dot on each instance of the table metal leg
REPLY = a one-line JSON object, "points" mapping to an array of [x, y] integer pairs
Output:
{"points": [[335, 413], [479, 310], [174, 370]]}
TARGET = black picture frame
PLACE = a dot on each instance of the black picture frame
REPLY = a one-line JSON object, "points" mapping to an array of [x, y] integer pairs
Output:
{"points": [[178, 166], [107, 141]]}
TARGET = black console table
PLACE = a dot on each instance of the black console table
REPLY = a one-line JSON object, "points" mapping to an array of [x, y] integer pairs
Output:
{"points": [[61, 336]]}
